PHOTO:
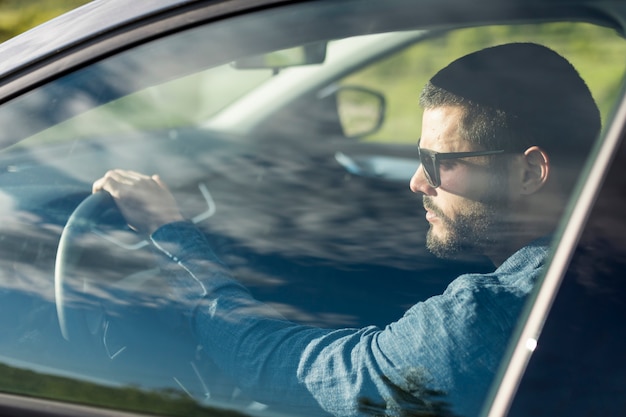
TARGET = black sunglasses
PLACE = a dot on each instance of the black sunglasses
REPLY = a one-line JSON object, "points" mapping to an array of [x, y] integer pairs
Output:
{"points": [[430, 161]]}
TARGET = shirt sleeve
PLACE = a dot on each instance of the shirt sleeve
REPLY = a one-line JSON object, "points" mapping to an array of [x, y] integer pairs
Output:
{"points": [[438, 358]]}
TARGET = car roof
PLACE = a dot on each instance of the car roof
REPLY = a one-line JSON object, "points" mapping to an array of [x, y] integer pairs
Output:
{"points": [[102, 16], [76, 26]]}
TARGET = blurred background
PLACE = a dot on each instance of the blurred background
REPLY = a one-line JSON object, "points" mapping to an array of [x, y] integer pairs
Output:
{"points": [[17, 16]]}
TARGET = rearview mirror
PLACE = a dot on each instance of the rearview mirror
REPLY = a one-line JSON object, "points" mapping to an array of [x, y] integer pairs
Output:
{"points": [[309, 54], [361, 110]]}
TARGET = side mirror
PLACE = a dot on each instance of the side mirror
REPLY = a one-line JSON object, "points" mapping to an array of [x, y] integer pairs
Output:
{"points": [[361, 110]]}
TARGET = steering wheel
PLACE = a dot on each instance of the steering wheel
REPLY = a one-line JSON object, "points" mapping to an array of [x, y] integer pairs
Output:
{"points": [[82, 315], [79, 310], [76, 312]]}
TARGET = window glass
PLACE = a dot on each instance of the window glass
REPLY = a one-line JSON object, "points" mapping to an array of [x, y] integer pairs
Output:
{"points": [[303, 280], [182, 102], [577, 366]]}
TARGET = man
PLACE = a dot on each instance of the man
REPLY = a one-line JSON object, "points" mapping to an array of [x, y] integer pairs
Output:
{"points": [[503, 131]]}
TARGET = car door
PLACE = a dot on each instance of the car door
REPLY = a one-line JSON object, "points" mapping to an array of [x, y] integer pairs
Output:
{"points": [[576, 363]]}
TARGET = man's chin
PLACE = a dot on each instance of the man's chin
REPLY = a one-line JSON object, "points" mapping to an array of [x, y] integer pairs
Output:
{"points": [[442, 246], [449, 247], [443, 252]]}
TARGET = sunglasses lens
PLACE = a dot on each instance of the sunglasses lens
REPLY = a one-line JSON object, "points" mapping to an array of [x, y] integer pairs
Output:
{"points": [[430, 170]]}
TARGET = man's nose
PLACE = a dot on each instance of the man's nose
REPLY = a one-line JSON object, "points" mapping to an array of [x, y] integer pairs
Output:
{"points": [[419, 183]]}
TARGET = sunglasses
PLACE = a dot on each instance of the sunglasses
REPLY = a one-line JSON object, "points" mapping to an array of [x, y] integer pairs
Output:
{"points": [[430, 161]]}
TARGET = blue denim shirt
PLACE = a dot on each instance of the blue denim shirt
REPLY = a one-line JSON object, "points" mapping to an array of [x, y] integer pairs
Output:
{"points": [[440, 356]]}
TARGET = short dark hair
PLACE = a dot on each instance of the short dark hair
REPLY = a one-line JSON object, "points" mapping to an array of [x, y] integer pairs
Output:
{"points": [[518, 95]]}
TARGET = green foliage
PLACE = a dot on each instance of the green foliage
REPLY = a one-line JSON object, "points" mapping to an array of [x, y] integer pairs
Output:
{"points": [[17, 16], [413, 400], [165, 402]]}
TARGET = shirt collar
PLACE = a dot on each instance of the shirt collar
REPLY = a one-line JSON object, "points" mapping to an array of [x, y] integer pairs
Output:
{"points": [[530, 257]]}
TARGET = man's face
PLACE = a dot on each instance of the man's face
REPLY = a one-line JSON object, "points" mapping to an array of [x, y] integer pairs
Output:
{"points": [[467, 210]]}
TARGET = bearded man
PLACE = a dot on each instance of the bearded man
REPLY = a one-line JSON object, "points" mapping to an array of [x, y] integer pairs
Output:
{"points": [[504, 132]]}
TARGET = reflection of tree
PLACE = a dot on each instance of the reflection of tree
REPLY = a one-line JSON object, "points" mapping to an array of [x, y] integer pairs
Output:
{"points": [[416, 400], [163, 402]]}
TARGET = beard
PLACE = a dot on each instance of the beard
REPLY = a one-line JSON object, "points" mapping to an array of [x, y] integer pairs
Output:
{"points": [[476, 227]]}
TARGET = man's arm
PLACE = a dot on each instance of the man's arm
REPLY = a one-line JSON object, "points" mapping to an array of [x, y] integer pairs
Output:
{"points": [[271, 358], [413, 365]]}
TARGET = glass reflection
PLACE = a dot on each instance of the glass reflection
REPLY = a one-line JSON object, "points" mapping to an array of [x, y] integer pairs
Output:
{"points": [[316, 241]]}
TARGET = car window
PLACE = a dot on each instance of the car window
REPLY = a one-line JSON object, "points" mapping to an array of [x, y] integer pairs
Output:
{"points": [[578, 360], [301, 280]]}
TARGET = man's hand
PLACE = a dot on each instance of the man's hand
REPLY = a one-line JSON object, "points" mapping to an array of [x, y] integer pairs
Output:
{"points": [[145, 201]]}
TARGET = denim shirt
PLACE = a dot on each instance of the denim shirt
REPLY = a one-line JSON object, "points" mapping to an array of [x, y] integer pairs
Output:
{"points": [[440, 357]]}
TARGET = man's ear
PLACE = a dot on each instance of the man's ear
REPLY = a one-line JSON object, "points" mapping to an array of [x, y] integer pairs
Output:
{"points": [[536, 170]]}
